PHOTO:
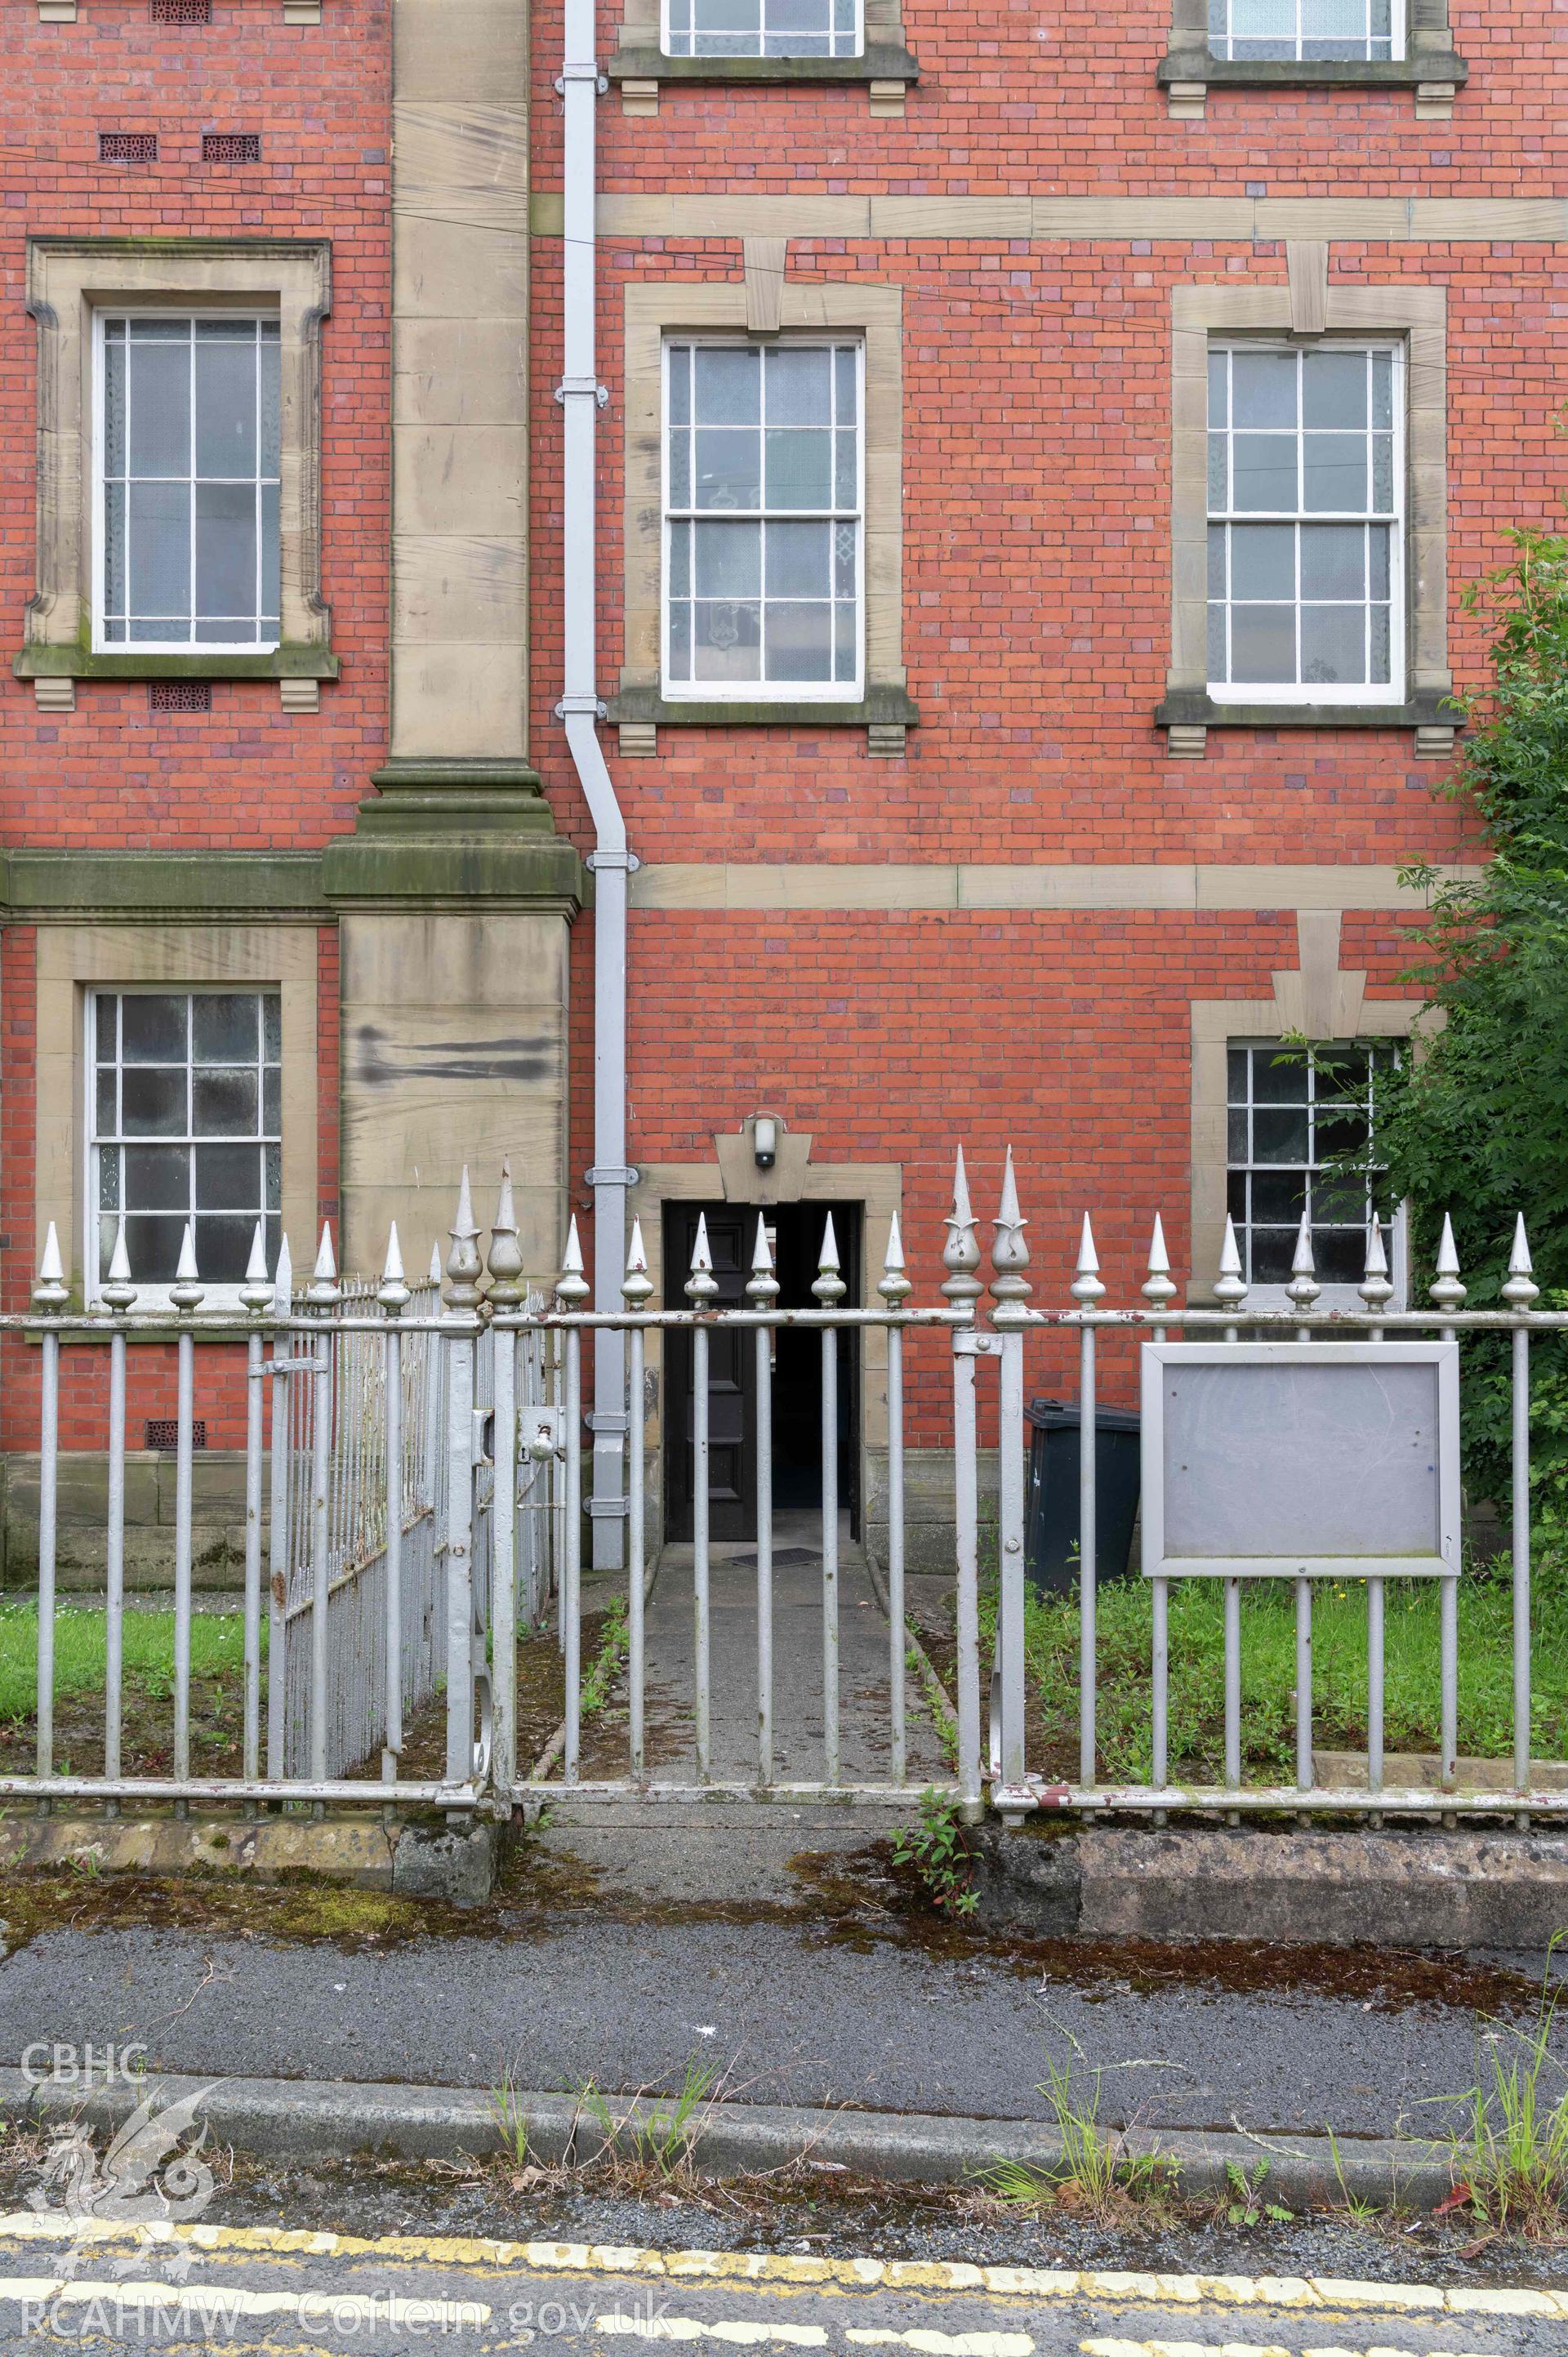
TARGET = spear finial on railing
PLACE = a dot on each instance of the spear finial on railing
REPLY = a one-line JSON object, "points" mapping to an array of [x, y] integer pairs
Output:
{"points": [[701, 1285], [637, 1286], [572, 1287], [1376, 1288], [435, 1264], [392, 1293], [1086, 1286], [464, 1266], [1229, 1285], [1519, 1288], [117, 1292], [257, 1292], [283, 1280], [1009, 1253], [761, 1285], [1159, 1291], [506, 1253], [52, 1291], [1445, 1288], [828, 1286], [1303, 1288], [960, 1253], [323, 1291], [894, 1284], [186, 1292]]}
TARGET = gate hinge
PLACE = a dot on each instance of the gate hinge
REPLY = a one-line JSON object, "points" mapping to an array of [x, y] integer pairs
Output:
{"points": [[604, 1509], [968, 1345]]}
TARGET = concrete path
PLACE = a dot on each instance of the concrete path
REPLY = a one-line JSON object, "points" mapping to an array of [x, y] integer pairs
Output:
{"points": [[798, 1664]]}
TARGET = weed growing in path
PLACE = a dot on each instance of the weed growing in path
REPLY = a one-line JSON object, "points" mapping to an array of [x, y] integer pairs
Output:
{"points": [[939, 1851], [1510, 2164], [607, 1663], [512, 2122], [655, 2147], [1097, 2176], [1243, 2205]]}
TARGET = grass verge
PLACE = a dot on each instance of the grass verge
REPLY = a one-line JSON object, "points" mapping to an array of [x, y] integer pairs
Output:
{"points": [[1124, 1624], [217, 1690]]}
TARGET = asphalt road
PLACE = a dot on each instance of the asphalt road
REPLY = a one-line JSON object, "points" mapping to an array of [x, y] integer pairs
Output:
{"points": [[781, 2012], [397, 2295]]}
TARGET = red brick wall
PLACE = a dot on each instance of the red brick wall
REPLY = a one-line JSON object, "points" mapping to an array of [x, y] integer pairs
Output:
{"points": [[111, 775], [246, 777], [893, 1038], [1062, 102], [1036, 598]]}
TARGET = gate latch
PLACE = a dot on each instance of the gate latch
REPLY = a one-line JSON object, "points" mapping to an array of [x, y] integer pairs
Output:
{"points": [[539, 1428]]}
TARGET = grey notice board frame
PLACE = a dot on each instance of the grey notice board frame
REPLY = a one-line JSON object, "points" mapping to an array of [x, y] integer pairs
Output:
{"points": [[1333, 1460]]}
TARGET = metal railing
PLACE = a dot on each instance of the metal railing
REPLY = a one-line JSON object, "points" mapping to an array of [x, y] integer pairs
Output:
{"points": [[414, 1503], [346, 1474], [1014, 1787]]}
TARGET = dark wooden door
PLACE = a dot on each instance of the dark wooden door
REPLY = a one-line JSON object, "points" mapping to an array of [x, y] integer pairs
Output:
{"points": [[732, 1442]]}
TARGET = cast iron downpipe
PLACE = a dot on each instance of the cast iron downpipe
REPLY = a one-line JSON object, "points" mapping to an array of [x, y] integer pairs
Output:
{"points": [[581, 397]]}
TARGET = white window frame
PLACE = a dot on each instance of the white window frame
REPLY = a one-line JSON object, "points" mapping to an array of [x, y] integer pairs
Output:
{"points": [[1398, 31], [761, 691], [1310, 692], [102, 644], [808, 55], [1331, 1296], [148, 1295]]}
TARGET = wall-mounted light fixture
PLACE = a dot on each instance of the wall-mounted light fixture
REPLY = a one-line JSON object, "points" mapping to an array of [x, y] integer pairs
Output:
{"points": [[765, 1141]]}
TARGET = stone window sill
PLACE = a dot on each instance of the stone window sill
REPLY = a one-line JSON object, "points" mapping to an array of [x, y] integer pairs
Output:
{"points": [[54, 670], [886, 68], [885, 714], [1188, 715], [1435, 76]]}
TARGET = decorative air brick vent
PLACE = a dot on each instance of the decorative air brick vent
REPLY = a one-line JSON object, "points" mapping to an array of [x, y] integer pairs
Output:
{"points": [[179, 696], [127, 147], [163, 1432], [181, 12], [230, 146]]}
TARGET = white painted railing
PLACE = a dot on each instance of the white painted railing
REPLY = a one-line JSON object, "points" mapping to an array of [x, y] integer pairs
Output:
{"points": [[414, 1481]]}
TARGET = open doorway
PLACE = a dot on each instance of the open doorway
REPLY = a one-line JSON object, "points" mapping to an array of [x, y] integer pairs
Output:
{"points": [[795, 1234]]}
